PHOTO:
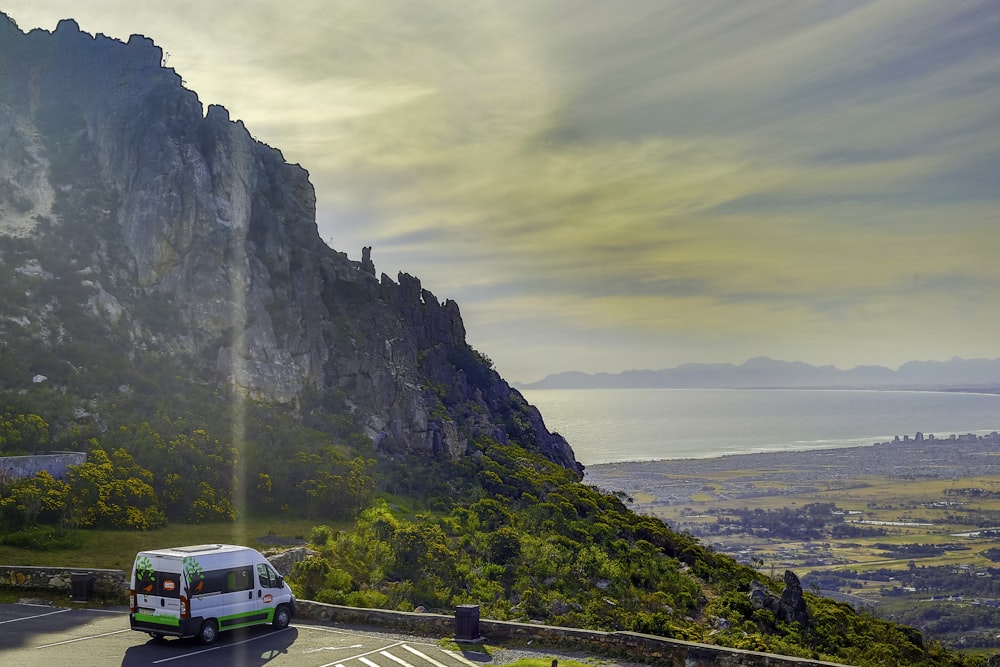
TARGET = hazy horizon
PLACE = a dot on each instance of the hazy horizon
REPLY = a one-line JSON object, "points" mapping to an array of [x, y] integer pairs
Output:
{"points": [[605, 187], [943, 365]]}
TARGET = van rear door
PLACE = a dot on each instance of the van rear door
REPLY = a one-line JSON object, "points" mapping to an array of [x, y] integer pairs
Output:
{"points": [[158, 587]]}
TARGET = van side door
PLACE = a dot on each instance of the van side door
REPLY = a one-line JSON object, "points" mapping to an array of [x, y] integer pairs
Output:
{"points": [[270, 588], [226, 595]]}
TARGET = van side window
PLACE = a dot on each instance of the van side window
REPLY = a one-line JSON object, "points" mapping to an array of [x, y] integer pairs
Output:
{"points": [[222, 581], [213, 581], [268, 577], [238, 580]]}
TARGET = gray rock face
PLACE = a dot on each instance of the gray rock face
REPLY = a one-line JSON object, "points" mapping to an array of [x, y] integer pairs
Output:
{"points": [[188, 207], [790, 606]]}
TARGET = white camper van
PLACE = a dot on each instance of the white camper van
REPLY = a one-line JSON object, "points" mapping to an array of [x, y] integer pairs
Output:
{"points": [[201, 590]]}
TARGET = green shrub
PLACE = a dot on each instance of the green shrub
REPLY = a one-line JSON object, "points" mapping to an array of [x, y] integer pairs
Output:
{"points": [[369, 598], [330, 596], [321, 536]]}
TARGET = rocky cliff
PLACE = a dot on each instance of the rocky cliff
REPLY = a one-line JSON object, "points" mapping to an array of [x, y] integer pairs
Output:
{"points": [[181, 236]]}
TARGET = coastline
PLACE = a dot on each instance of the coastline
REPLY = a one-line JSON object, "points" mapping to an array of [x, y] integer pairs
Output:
{"points": [[680, 480], [642, 425], [986, 436]]}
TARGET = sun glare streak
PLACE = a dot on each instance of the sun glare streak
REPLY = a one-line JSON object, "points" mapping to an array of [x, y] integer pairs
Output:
{"points": [[238, 285]]}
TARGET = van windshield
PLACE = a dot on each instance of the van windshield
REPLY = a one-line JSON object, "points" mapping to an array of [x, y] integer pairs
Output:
{"points": [[153, 582]]}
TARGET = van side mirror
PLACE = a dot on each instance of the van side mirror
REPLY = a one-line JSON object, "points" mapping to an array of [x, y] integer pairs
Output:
{"points": [[281, 581]]}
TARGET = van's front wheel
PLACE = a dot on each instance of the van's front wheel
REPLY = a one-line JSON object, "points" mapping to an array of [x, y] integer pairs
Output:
{"points": [[282, 617], [209, 632]]}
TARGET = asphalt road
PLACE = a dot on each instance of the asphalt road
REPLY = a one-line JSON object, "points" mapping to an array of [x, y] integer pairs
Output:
{"points": [[46, 636]]}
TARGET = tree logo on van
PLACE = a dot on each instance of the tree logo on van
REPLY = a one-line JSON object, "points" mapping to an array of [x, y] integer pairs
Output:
{"points": [[192, 568], [144, 572]]}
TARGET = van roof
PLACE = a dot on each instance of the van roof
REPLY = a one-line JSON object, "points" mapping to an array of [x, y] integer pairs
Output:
{"points": [[196, 550]]}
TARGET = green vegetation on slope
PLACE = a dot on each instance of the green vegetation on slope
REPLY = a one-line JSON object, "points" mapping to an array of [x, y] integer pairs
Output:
{"points": [[915, 545], [526, 542], [502, 527]]}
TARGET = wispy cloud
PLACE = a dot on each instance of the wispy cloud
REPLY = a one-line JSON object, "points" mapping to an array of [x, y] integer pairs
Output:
{"points": [[599, 183]]}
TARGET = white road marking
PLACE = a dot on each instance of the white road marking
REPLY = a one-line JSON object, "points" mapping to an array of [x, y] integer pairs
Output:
{"points": [[361, 656], [396, 659], [80, 639], [322, 629], [461, 658], [216, 648], [425, 657], [28, 618], [333, 648]]}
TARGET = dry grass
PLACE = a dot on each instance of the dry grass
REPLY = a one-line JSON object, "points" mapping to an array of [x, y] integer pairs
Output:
{"points": [[111, 549]]}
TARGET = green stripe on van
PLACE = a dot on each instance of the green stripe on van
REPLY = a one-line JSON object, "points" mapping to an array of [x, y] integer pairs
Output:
{"points": [[162, 620], [255, 616], [246, 618]]}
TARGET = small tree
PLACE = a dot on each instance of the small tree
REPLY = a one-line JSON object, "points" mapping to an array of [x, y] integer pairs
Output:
{"points": [[29, 499], [310, 576], [113, 492], [23, 433]]}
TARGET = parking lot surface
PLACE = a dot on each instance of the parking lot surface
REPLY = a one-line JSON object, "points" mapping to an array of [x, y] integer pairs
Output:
{"points": [[44, 636]]}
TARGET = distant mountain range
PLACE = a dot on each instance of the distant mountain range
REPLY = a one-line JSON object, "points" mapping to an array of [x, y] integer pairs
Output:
{"points": [[762, 372]]}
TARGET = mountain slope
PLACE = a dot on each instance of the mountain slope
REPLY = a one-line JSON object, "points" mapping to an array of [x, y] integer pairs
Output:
{"points": [[185, 238], [164, 294]]}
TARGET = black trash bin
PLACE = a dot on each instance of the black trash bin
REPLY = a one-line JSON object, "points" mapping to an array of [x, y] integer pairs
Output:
{"points": [[467, 622], [81, 586]]}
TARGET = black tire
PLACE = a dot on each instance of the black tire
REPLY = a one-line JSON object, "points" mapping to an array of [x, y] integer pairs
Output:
{"points": [[209, 632], [282, 617], [156, 636]]}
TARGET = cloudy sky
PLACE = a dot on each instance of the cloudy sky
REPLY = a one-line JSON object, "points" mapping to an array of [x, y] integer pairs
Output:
{"points": [[613, 185]]}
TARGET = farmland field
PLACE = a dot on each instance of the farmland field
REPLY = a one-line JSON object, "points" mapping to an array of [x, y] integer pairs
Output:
{"points": [[905, 529]]}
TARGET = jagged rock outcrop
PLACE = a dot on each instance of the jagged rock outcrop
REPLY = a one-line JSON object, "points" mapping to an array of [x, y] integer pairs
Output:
{"points": [[160, 201], [790, 606], [284, 561]]}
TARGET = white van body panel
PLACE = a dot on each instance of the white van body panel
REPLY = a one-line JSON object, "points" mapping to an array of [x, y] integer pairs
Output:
{"points": [[177, 591]]}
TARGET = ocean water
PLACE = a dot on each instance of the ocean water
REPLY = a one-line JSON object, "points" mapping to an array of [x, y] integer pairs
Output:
{"points": [[614, 425]]}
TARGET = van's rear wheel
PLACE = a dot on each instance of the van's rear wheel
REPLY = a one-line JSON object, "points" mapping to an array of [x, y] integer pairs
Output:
{"points": [[156, 636], [282, 617], [209, 632]]}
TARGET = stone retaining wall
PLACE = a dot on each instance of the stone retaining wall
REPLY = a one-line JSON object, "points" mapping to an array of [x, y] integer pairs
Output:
{"points": [[56, 464], [109, 584], [113, 584], [640, 647]]}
